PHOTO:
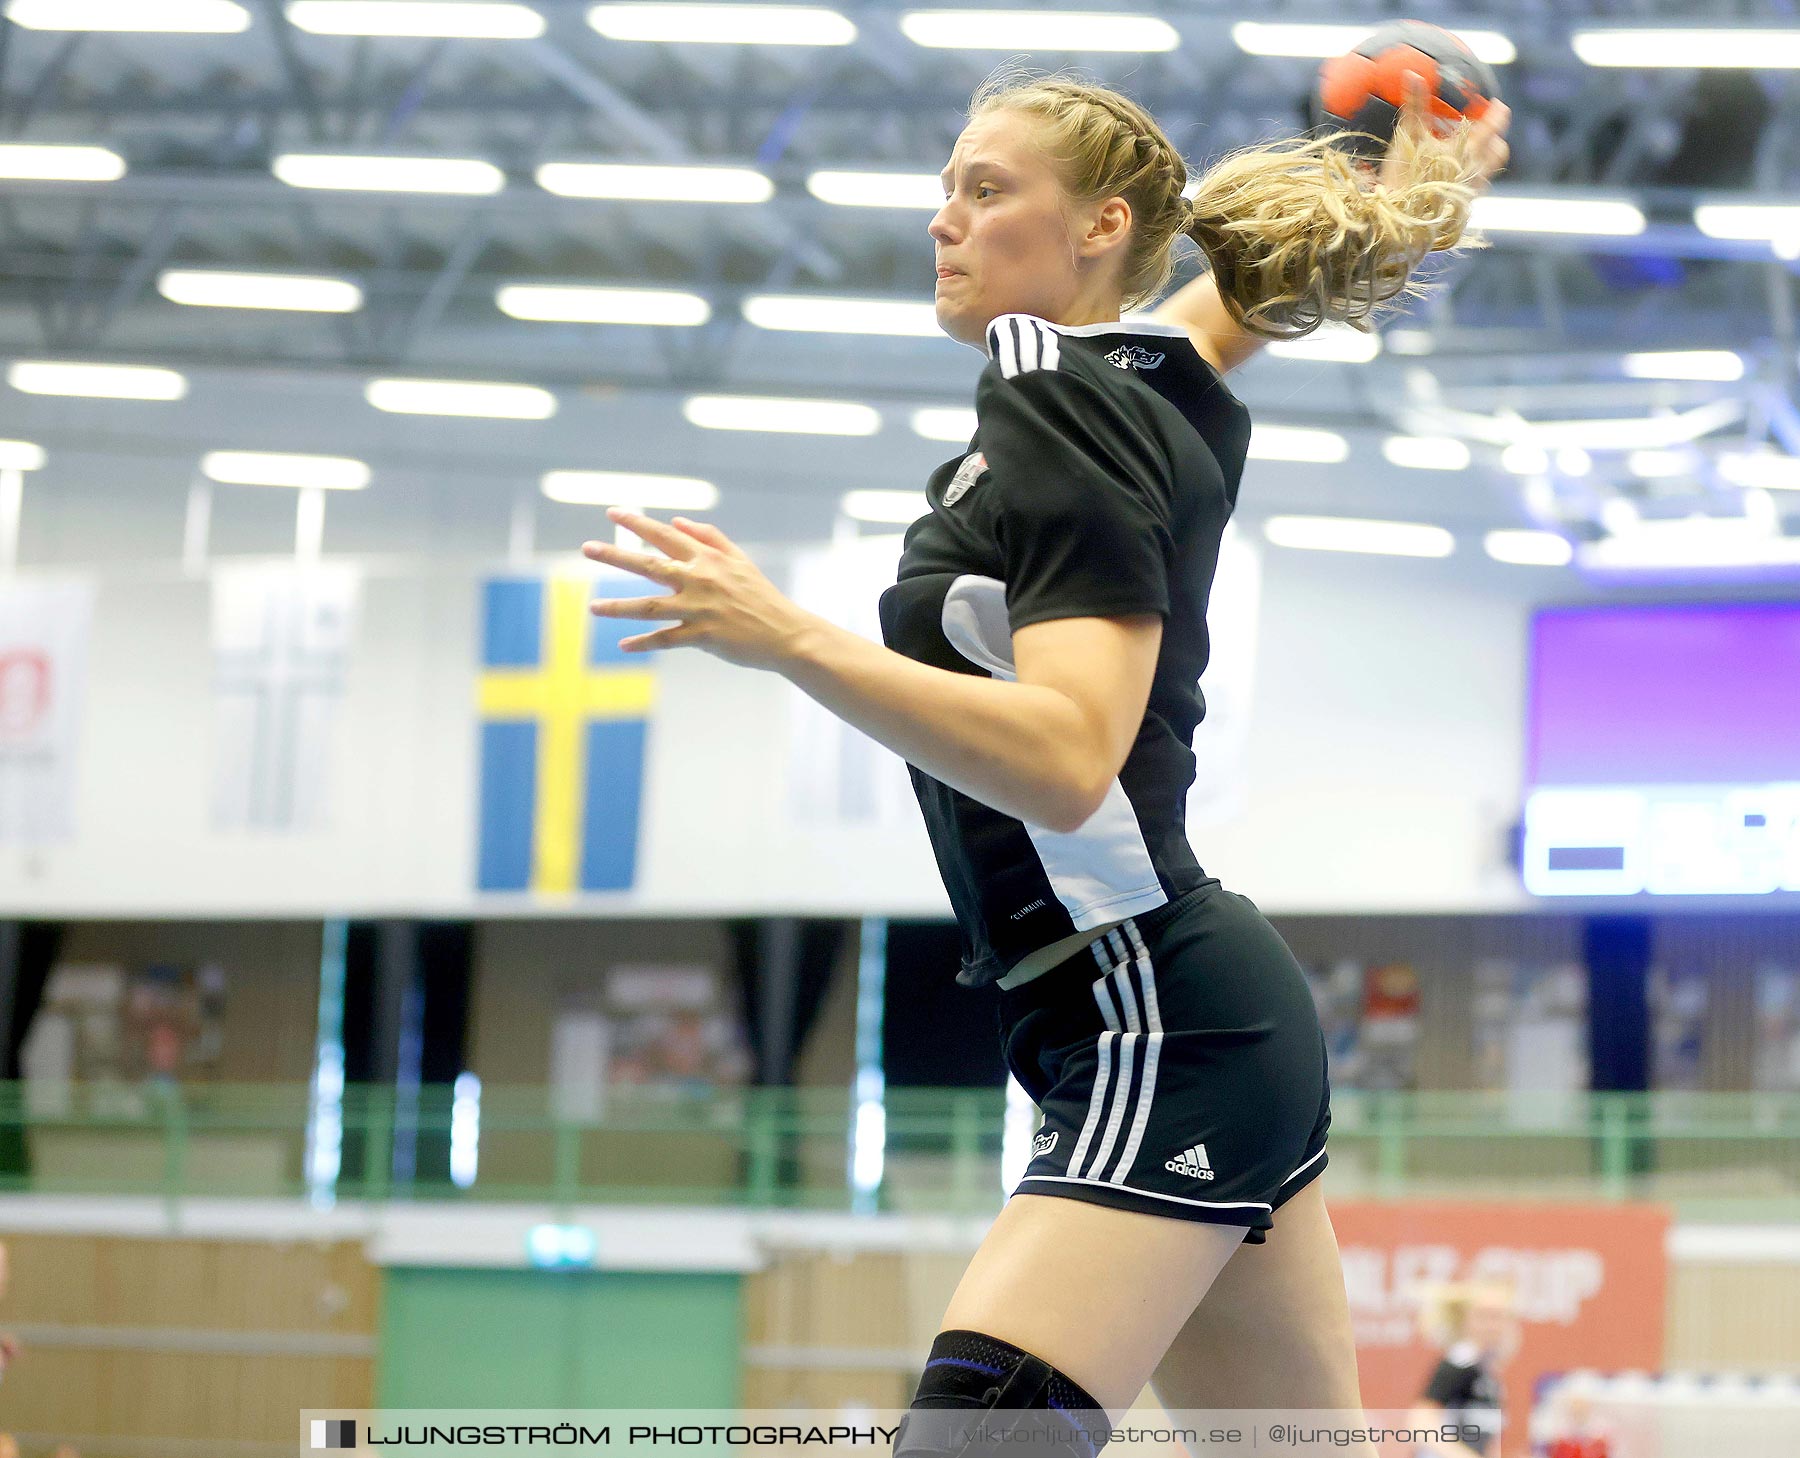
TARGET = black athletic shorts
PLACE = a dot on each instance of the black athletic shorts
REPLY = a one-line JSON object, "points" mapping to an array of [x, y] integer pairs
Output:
{"points": [[1179, 1065]]}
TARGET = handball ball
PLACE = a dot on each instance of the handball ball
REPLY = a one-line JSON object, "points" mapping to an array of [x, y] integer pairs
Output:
{"points": [[1365, 90]]}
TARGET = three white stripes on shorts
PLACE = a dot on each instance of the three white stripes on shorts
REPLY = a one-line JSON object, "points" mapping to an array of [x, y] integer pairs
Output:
{"points": [[1119, 1049]]}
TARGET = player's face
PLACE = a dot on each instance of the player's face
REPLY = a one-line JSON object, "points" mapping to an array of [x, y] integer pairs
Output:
{"points": [[1490, 1324], [1003, 238]]}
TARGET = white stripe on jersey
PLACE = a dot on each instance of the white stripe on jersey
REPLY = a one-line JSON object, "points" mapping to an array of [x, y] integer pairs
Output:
{"points": [[1006, 349], [1102, 871], [1020, 343]]}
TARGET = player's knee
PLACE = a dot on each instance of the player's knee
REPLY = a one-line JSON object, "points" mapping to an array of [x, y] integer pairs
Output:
{"points": [[981, 1397]]}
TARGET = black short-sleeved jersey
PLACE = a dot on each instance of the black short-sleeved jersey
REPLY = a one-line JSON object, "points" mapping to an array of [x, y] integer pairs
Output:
{"points": [[1104, 466]]}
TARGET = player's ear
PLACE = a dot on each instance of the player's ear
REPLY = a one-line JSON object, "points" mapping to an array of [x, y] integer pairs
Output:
{"points": [[1108, 227]]}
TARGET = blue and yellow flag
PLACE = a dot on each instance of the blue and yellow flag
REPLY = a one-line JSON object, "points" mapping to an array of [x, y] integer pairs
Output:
{"points": [[563, 721]]}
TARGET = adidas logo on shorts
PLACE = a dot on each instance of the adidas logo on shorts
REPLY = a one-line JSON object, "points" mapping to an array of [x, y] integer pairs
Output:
{"points": [[1191, 1162]]}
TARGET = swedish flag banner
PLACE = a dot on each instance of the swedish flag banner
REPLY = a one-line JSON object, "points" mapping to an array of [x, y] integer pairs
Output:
{"points": [[563, 718]]}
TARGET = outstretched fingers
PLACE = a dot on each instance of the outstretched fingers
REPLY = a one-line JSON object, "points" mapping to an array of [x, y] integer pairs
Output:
{"points": [[676, 544], [655, 567], [702, 531]]}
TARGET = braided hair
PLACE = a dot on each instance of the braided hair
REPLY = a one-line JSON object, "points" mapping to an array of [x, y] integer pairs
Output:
{"points": [[1292, 231]]}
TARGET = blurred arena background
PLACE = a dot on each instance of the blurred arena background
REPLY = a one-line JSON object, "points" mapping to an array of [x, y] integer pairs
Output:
{"points": [[405, 1001]]}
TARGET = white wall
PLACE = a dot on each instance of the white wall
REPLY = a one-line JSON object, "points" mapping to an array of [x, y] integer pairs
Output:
{"points": [[1383, 765]]}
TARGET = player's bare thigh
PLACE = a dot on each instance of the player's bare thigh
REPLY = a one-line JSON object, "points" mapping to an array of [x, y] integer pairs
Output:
{"points": [[1274, 1330], [1097, 1293]]}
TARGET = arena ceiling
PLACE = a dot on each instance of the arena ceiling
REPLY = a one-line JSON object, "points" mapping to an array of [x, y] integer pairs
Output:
{"points": [[1531, 331]]}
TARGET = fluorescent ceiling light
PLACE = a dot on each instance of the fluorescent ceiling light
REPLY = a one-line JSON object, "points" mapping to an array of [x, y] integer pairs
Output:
{"points": [[189, 17], [793, 417], [1695, 541], [1619, 515], [1037, 30], [1761, 511], [816, 314], [1597, 216], [1426, 452], [1684, 47], [1573, 461], [1528, 549], [655, 183], [204, 288], [884, 506], [1297, 443], [1335, 343], [1686, 364], [630, 488], [460, 397], [953, 423], [1627, 434], [465, 175], [1257, 38], [1523, 459], [458, 20], [878, 189], [100, 382], [747, 25], [30, 162], [21, 455], [1348, 534], [275, 468], [1765, 469], [1758, 222], [1658, 464], [581, 305]]}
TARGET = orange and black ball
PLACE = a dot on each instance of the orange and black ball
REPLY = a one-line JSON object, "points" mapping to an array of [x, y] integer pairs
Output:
{"points": [[1363, 92]]}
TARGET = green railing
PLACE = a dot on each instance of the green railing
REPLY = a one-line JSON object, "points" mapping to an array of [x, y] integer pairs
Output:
{"points": [[1709, 1155]]}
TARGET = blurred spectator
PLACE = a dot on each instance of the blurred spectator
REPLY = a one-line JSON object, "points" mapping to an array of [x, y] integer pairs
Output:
{"points": [[9, 1446], [1478, 1332], [1579, 1434]]}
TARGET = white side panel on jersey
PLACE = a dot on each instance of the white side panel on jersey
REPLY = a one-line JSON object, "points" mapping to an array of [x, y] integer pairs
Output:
{"points": [[1102, 871]]}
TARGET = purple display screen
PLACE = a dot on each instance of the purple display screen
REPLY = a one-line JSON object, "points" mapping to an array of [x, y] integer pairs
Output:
{"points": [[1666, 694]]}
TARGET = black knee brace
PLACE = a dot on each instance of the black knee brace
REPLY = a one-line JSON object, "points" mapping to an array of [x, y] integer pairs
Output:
{"points": [[981, 1397]]}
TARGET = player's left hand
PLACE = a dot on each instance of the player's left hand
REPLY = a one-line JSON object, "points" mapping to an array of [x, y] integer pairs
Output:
{"points": [[720, 601]]}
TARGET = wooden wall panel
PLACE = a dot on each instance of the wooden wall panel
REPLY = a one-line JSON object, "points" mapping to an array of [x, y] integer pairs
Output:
{"points": [[140, 1339], [1727, 1317], [818, 1325]]}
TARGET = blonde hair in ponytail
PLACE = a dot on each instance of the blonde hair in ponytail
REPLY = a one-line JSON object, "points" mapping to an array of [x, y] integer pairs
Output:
{"points": [[1295, 238], [1293, 234]]}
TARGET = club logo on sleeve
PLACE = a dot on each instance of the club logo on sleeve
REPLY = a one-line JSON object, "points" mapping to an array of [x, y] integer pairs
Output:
{"points": [[1134, 357], [1043, 1143], [1191, 1162], [973, 465]]}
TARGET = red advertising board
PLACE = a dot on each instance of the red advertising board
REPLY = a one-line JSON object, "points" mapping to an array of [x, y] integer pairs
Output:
{"points": [[1589, 1284]]}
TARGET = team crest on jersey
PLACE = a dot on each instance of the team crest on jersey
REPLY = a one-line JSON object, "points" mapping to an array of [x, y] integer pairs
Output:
{"points": [[973, 465], [1134, 357]]}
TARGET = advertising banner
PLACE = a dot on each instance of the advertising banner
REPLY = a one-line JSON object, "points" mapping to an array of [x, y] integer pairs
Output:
{"points": [[1585, 1285]]}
